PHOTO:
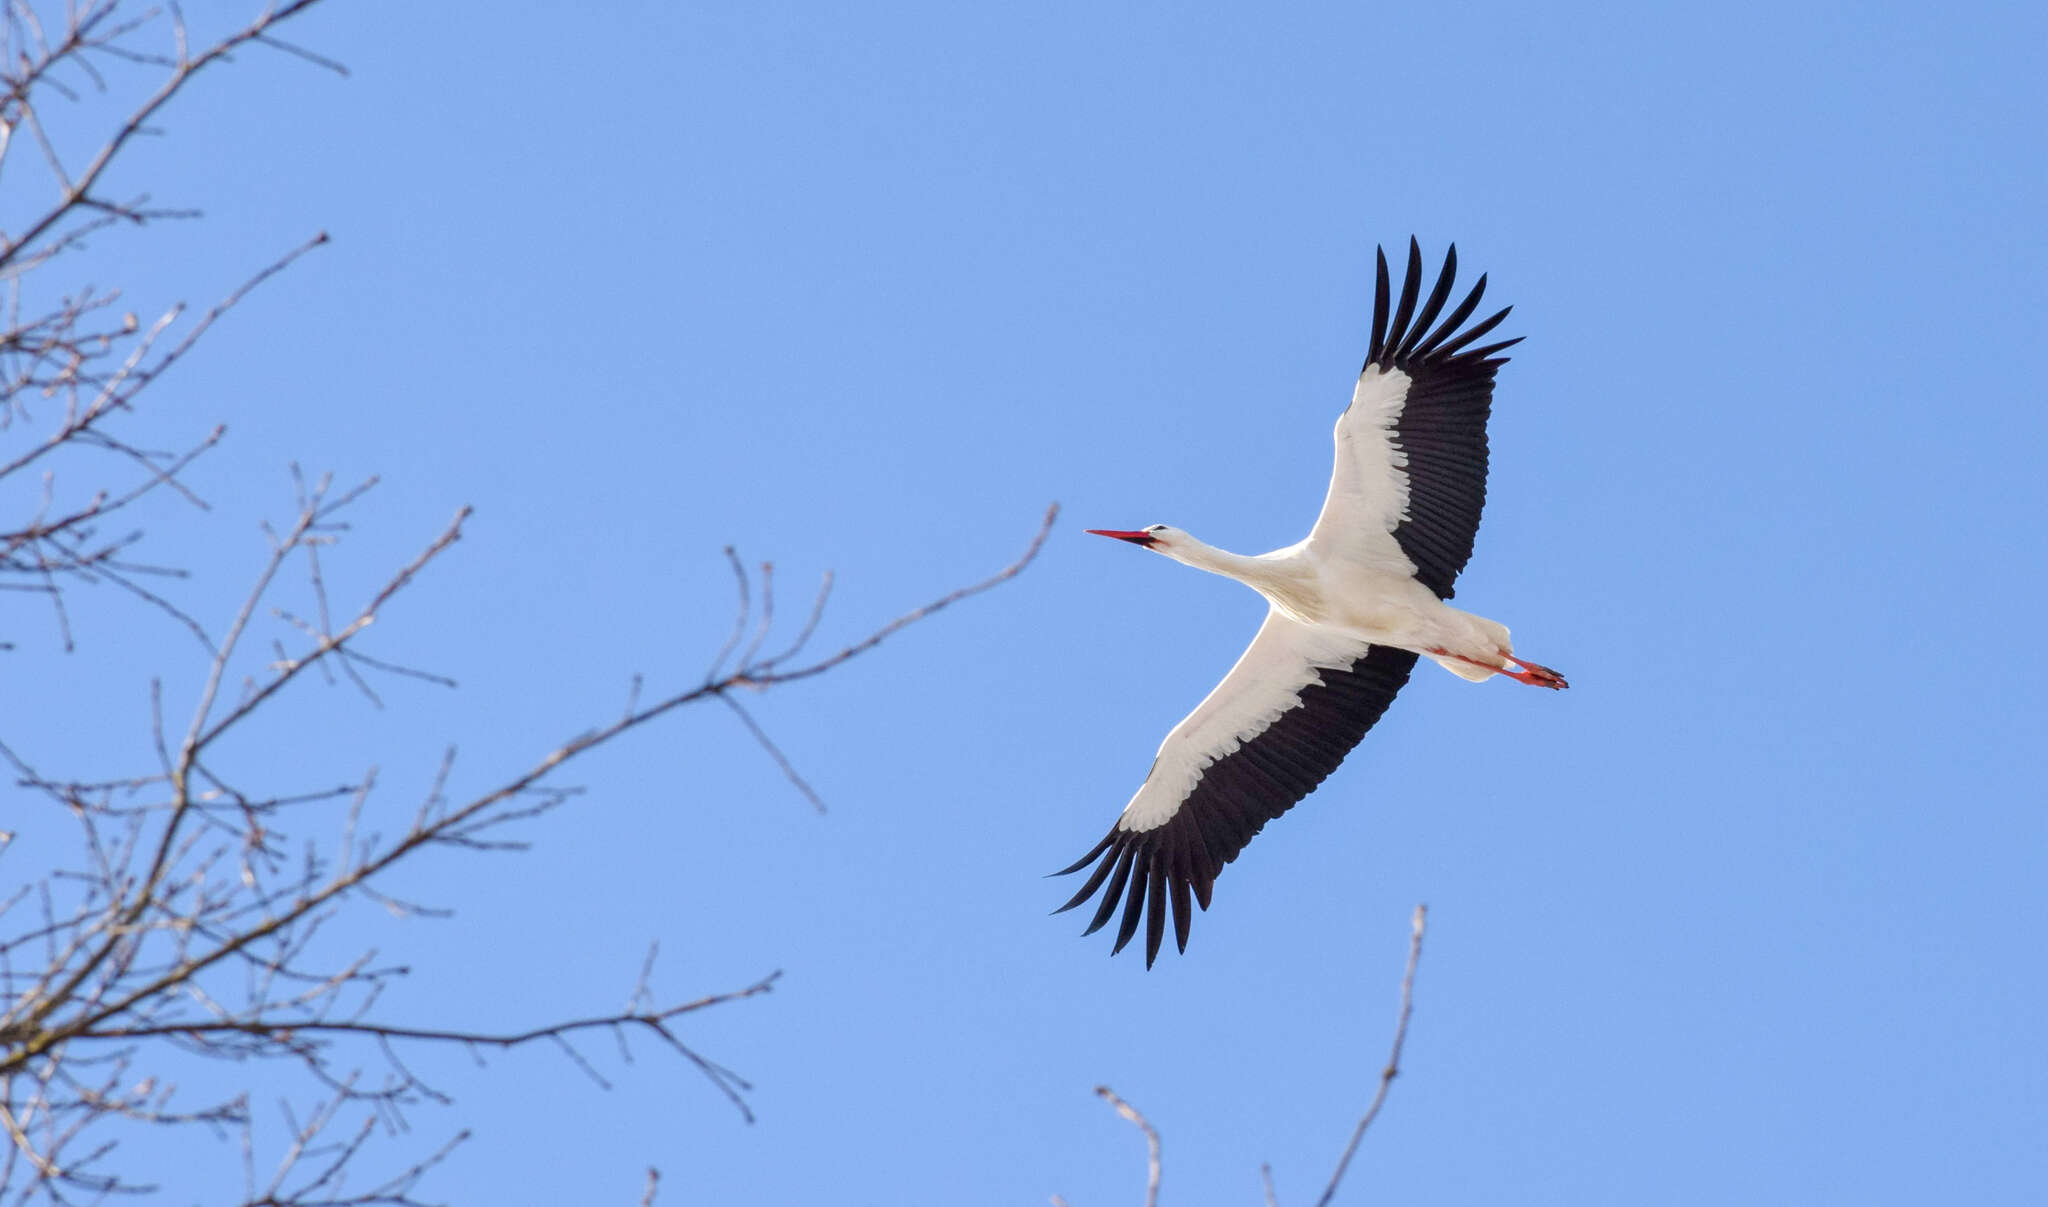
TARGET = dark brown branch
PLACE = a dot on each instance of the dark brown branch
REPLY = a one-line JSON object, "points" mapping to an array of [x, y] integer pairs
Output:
{"points": [[512, 1039]]}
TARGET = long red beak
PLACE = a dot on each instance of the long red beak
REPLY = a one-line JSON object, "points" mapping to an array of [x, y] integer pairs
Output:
{"points": [[1136, 538]]}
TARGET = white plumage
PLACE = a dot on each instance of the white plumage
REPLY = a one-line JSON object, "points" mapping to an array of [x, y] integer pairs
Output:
{"points": [[1352, 607]]}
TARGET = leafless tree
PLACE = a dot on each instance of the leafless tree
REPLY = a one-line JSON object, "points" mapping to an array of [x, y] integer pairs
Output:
{"points": [[187, 923]]}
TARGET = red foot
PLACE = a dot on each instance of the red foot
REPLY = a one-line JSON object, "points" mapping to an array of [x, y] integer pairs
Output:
{"points": [[1533, 674]]}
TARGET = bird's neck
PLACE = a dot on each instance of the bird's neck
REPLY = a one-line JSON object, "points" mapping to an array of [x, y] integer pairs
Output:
{"points": [[1288, 582], [1249, 570]]}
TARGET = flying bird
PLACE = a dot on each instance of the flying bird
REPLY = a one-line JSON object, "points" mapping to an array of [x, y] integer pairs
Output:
{"points": [[1352, 607]]}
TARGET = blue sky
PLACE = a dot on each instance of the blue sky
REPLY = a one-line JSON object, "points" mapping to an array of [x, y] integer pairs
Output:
{"points": [[1753, 913]]}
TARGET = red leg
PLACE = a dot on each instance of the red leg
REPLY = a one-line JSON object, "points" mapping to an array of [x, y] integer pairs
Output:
{"points": [[1441, 652], [1534, 674], [1531, 673]]}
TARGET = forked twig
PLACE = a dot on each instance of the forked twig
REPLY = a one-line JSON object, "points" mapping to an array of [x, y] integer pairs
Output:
{"points": [[761, 677]]}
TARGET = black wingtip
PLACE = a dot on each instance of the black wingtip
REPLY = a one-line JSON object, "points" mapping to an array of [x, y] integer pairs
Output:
{"points": [[1134, 908], [1155, 910], [1406, 330], [1451, 350], [1485, 356], [1087, 859], [1182, 914], [1111, 892], [1411, 286], [1449, 327], [1090, 885], [1381, 295]]}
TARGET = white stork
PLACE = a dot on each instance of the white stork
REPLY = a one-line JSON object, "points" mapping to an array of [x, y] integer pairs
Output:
{"points": [[1352, 608]]}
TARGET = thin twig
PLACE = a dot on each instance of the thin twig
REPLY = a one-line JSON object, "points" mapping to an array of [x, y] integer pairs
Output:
{"points": [[912, 617], [760, 736], [1393, 1068]]}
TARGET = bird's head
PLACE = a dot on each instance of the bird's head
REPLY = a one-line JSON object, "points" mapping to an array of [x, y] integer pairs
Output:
{"points": [[1157, 537]]}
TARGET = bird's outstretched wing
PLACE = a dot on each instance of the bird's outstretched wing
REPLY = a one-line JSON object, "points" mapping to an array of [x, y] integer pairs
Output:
{"points": [[1411, 447], [1294, 705]]}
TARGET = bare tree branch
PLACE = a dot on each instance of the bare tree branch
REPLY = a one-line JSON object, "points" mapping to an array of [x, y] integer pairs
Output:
{"points": [[1393, 1069], [83, 37], [82, 350], [1151, 1141], [1372, 1110], [770, 671], [170, 935]]}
